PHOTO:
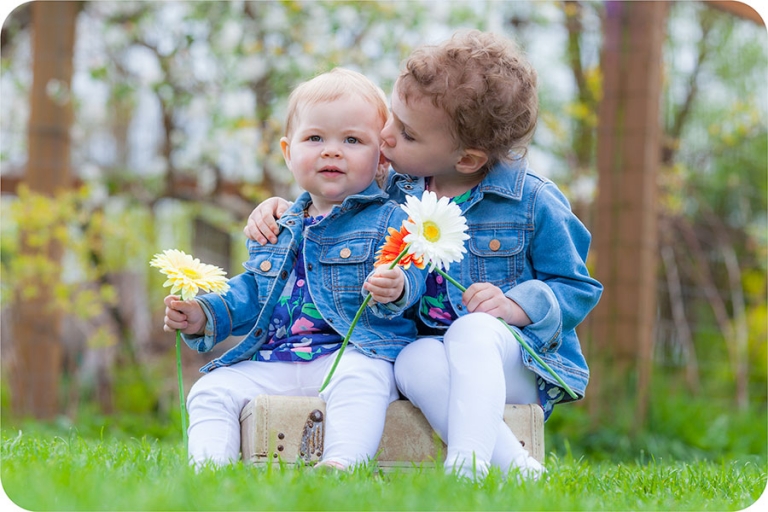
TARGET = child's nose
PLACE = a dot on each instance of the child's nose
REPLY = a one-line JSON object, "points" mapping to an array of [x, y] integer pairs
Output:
{"points": [[331, 150], [387, 135]]}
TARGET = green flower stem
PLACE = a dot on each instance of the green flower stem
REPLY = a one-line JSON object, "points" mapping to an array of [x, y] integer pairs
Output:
{"points": [[354, 323], [182, 405], [519, 339]]}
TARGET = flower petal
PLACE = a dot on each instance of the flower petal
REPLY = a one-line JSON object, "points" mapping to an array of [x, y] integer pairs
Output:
{"points": [[447, 230], [188, 275]]}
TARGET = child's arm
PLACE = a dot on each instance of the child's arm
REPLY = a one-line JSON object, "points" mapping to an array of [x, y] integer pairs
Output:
{"points": [[558, 254], [261, 226], [186, 316], [386, 285]]}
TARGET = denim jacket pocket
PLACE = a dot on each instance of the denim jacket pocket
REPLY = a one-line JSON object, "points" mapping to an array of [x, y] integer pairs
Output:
{"points": [[496, 255], [265, 265], [346, 264]]}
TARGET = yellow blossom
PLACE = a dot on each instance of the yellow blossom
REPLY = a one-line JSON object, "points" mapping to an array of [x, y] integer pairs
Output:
{"points": [[188, 275]]}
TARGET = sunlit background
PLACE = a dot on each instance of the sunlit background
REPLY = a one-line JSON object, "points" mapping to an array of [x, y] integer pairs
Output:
{"points": [[177, 109]]}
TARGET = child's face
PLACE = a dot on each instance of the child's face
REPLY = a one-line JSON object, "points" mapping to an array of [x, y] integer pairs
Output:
{"points": [[417, 139], [333, 151]]}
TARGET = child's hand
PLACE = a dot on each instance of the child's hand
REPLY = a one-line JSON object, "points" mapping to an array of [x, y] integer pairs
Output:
{"points": [[186, 316], [487, 298], [261, 225], [386, 285]]}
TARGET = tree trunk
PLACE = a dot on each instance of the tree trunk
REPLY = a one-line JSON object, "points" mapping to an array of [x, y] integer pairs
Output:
{"points": [[628, 155], [37, 345]]}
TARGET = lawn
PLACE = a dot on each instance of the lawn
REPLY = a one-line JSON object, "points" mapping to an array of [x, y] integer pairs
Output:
{"points": [[71, 472]]}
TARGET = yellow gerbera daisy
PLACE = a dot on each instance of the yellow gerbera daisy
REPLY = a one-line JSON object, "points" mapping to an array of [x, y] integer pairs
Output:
{"points": [[186, 274], [436, 229]]}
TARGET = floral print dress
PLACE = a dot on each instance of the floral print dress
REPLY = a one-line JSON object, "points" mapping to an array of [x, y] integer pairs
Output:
{"points": [[297, 331]]}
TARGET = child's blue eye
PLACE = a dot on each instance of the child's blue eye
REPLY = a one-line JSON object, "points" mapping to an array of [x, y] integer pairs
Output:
{"points": [[352, 140], [314, 138], [406, 136]]}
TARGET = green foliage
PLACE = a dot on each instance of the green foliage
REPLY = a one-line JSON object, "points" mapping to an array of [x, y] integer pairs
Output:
{"points": [[681, 427], [724, 140], [65, 246], [69, 472]]}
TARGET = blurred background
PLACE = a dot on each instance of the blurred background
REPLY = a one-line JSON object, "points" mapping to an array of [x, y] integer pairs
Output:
{"points": [[128, 128]]}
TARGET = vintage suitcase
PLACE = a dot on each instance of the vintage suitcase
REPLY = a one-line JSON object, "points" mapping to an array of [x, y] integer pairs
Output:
{"points": [[291, 428]]}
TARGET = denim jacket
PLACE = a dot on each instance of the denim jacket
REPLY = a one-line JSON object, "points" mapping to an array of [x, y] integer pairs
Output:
{"points": [[339, 255], [525, 239]]}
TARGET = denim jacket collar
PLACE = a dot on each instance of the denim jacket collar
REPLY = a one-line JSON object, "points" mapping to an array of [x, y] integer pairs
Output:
{"points": [[505, 179], [372, 193]]}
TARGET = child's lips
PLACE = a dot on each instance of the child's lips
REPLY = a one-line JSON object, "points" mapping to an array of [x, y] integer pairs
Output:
{"points": [[384, 151], [331, 171]]}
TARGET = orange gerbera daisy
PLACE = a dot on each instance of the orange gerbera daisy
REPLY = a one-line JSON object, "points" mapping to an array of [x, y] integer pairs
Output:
{"points": [[395, 244]]}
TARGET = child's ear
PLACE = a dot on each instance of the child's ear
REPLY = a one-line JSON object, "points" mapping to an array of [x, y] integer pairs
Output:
{"points": [[382, 171], [286, 149], [471, 161], [383, 167]]}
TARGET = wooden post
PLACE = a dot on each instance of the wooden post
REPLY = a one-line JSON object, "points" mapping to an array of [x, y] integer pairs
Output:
{"points": [[625, 231], [37, 351]]}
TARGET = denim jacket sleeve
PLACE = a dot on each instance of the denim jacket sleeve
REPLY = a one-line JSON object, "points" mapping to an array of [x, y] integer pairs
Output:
{"points": [[561, 293], [221, 323]]}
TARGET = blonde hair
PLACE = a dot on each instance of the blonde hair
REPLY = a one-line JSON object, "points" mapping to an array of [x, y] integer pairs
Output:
{"points": [[331, 86], [485, 85]]}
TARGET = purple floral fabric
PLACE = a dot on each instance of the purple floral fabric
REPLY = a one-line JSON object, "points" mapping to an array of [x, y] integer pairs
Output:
{"points": [[297, 331]]}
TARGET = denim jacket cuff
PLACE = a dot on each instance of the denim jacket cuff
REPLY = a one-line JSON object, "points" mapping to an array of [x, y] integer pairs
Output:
{"points": [[396, 308], [540, 304], [205, 342], [217, 326]]}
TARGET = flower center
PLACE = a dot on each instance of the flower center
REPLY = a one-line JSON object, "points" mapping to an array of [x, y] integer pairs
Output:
{"points": [[431, 231], [191, 273]]}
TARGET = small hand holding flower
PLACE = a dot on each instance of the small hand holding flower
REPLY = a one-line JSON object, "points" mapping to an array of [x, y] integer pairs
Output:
{"points": [[185, 316], [385, 285], [186, 275]]}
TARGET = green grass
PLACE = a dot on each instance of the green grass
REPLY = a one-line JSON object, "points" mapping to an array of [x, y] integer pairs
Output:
{"points": [[41, 471]]}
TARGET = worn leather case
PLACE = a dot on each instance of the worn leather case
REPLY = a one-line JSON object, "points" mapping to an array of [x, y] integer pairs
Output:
{"points": [[290, 429]]}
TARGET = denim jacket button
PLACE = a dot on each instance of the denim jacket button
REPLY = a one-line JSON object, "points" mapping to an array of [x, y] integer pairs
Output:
{"points": [[284, 274], [494, 245], [265, 266], [345, 253], [309, 266]]}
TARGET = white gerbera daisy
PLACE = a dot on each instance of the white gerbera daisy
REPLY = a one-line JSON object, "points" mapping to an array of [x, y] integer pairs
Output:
{"points": [[436, 228], [186, 274]]}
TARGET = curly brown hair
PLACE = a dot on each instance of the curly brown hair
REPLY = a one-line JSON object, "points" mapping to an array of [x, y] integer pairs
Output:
{"points": [[485, 85]]}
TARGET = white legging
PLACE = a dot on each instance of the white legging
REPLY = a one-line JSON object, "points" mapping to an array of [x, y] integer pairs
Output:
{"points": [[356, 404], [462, 385]]}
